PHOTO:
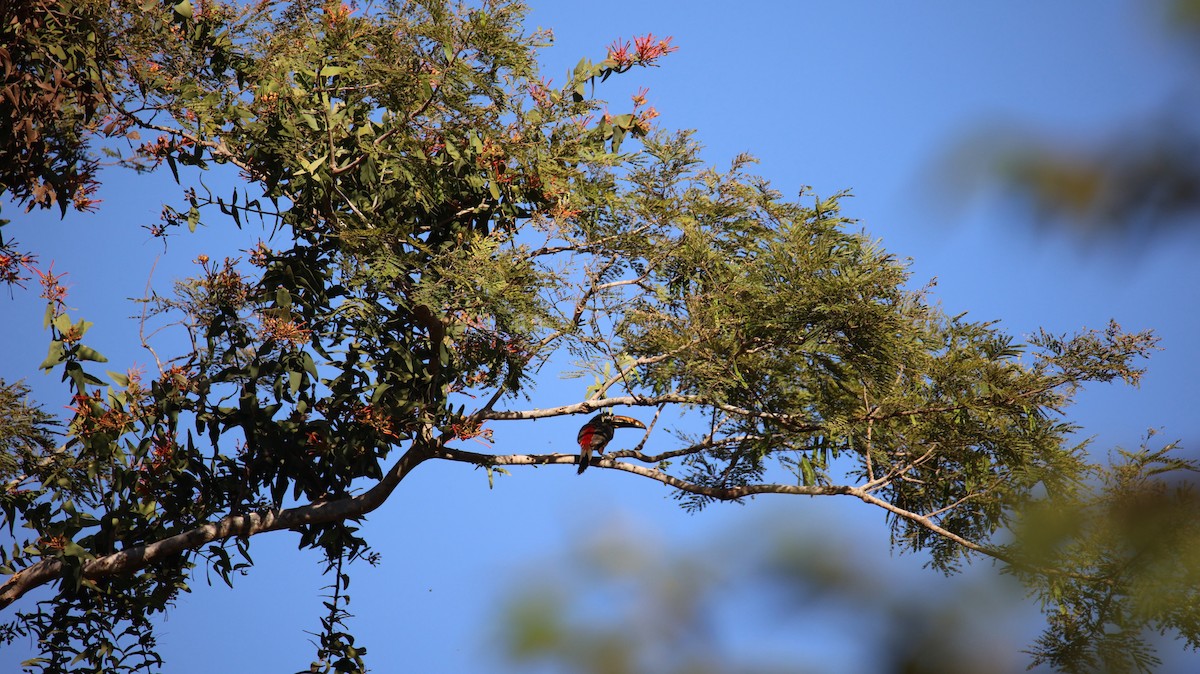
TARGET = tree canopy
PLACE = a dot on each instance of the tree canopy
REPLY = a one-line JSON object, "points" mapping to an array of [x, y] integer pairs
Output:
{"points": [[440, 227]]}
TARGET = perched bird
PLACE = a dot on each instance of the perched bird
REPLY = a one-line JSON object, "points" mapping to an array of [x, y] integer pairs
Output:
{"points": [[598, 432]]}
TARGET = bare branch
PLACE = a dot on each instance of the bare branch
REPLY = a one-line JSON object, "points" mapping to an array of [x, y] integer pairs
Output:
{"points": [[646, 360], [899, 471], [142, 324], [975, 494], [587, 406]]}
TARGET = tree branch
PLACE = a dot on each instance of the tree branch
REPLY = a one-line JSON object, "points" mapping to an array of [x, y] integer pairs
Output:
{"points": [[249, 524], [724, 494], [684, 451], [742, 491], [793, 423]]}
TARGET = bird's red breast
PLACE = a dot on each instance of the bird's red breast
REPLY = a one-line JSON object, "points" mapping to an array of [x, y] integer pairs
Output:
{"points": [[585, 435]]}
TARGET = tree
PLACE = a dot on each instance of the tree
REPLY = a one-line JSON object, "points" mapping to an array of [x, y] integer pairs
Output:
{"points": [[443, 226]]}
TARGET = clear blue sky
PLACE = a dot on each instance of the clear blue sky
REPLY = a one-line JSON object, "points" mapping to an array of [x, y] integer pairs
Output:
{"points": [[853, 94]]}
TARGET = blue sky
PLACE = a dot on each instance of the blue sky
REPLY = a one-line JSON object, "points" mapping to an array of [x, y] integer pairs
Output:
{"points": [[857, 95]]}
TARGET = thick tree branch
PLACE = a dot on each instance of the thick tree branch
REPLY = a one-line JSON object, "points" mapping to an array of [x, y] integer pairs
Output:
{"points": [[249, 524]]}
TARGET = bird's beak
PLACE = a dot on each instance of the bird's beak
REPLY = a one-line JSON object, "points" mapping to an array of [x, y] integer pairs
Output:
{"points": [[626, 422]]}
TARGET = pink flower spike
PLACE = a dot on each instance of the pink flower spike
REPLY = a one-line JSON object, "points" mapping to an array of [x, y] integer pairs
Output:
{"points": [[648, 49], [619, 51]]}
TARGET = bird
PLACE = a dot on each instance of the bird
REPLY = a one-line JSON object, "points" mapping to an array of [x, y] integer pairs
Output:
{"points": [[595, 435]]}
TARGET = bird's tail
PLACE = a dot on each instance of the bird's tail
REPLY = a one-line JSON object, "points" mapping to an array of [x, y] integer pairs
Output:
{"points": [[585, 459]]}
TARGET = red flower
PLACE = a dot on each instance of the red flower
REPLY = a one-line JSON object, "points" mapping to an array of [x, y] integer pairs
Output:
{"points": [[648, 49], [619, 51], [52, 288]]}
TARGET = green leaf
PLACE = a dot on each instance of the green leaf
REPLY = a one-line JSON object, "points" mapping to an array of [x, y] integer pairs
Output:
{"points": [[312, 166], [184, 10], [807, 474], [88, 353], [73, 549], [623, 121], [54, 357], [62, 323]]}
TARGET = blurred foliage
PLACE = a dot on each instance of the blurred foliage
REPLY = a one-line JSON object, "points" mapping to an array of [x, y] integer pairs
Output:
{"points": [[623, 602], [1138, 527], [442, 226], [1139, 184]]}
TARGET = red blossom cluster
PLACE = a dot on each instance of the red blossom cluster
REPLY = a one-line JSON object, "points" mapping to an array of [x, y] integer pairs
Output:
{"points": [[52, 288], [92, 417], [492, 157], [82, 198], [618, 51], [646, 49], [554, 194], [337, 13], [466, 430], [283, 330], [377, 420], [136, 396], [643, 118], [223, 285], [178, 378], [161, 453], [316, 442], [541, 93], [11, 264], [562, 211], [259, 255], [641, 123], [163, 146], [54, 542]]}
